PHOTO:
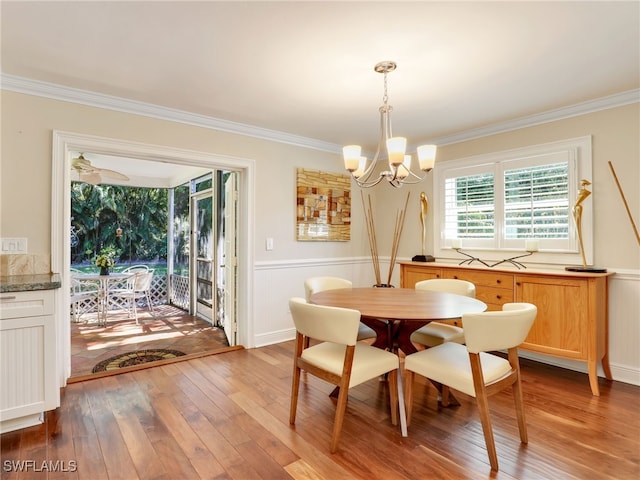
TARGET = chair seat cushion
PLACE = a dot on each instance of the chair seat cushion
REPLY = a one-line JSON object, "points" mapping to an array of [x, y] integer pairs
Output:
{"points": [[437, 333], [449, 364], [368, 362]]}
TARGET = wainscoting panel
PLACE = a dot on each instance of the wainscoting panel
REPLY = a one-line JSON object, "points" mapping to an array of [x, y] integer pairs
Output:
{"points": [[276, 282]]}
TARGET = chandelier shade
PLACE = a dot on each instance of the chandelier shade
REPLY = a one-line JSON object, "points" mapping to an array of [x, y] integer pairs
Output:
{"points": [[399, 172]]}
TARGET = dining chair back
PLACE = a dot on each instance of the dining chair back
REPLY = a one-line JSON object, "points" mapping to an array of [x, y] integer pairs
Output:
{"points": [[319, 284], [136, 268], [83, 296], [436, 333], [138, 288], [338, 358], [471, 370]]}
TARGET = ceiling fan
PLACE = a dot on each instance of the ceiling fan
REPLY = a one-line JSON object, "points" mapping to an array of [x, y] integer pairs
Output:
{"points": [[93, 175]]}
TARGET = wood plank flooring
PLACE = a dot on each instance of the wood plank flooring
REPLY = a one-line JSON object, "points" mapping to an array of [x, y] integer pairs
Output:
{"points": [[226, 416]]}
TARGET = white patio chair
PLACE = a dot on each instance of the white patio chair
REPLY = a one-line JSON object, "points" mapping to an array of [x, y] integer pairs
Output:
{"points": [[138, 288]]}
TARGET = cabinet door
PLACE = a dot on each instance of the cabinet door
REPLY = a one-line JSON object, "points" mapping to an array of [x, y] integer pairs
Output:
{"points": [[411, 274], [560, 326]]}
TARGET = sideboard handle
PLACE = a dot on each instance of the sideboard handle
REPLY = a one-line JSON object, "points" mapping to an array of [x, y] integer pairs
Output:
{"points": [[498, 281]]}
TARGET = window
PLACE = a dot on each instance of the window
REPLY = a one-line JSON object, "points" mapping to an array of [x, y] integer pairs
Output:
{"points": [[501, 200]]}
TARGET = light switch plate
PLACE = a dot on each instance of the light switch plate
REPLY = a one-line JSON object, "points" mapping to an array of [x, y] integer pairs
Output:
{"points": [[13, 246]]}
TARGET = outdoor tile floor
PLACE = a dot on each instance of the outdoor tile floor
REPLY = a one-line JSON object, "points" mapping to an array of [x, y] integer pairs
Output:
{"points": [[170, 328]]}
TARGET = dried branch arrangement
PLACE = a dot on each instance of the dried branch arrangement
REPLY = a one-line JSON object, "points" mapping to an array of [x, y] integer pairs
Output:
{"points": [[373, 245]]}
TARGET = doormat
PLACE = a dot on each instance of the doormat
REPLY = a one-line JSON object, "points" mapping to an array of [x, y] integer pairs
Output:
{"points": [[135, 358]]}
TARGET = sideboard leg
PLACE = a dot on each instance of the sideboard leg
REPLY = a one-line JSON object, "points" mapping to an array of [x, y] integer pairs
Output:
{"points": [[593, 377], [605, 367]]}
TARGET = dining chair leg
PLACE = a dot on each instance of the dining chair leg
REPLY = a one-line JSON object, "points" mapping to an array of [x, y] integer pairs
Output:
{"points": [[150, 303], [408, 394], [522, 423], [295, 389], [483, 409], [393, 398], [295, 379], [517, 396], [341, 408], [446, 396], [487, 430], [135, 310]]}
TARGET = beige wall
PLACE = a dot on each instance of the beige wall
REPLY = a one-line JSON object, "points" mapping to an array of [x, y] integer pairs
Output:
{"points": [[616, 138], [25, 193]]}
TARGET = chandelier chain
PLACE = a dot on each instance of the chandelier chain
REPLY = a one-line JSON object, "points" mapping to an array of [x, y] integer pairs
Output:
{"points": [[385, 97]]}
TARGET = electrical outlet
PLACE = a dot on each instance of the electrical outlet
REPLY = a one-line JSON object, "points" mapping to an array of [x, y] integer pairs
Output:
{"points": [[13, 246]]}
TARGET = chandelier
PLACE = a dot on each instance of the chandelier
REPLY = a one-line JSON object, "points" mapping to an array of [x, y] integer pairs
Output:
{"points": [[399, 172]]}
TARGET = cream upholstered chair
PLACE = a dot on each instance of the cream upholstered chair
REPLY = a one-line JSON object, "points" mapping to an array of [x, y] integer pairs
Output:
{"points": [[138, 287], [318, 284], [436, 333], [339, 359], [469, 369]]}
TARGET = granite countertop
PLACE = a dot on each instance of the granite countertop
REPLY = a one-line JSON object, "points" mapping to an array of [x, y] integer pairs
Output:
{"points": [[25, 283]]}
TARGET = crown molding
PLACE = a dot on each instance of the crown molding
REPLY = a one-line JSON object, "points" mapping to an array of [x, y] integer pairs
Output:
{"points": [[58, 92], [603, 103]]}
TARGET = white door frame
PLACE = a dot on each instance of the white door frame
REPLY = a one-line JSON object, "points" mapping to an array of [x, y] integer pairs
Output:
{"points": [[66, 142]]}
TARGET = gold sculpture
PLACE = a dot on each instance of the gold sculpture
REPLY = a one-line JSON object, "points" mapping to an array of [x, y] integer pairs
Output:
{"points": [[583, 193], [424, 208]]}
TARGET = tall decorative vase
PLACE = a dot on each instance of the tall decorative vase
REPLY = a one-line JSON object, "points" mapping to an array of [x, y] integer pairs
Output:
{"points": [[104, 270]]}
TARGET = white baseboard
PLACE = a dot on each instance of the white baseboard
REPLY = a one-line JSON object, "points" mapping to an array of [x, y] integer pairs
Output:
{"points": [[275, 337], [620, 373], [21, 422]]}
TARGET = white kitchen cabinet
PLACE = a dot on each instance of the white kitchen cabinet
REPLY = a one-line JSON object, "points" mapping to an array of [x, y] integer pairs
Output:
{"points": [[27, 358]]}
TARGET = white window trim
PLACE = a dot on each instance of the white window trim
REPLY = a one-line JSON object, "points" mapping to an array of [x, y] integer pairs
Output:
{"points": [[578, 148]]}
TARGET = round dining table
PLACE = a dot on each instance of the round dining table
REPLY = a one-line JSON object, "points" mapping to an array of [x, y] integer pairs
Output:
{"points": [[395, 313], [104, 283]]}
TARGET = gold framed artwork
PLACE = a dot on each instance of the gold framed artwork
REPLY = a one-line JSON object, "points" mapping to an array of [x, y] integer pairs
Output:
{"points": [[323, 206]]}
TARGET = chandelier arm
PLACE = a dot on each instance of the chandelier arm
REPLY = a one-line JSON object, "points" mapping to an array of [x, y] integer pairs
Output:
{"points": [[363, 180], [367, 184], [412, 182]]}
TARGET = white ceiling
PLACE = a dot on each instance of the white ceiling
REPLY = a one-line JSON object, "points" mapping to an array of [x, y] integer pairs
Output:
{"points": [[306, 68]]}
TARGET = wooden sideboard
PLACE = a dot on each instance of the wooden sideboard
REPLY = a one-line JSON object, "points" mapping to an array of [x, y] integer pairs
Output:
{"points": [[572, 320]]}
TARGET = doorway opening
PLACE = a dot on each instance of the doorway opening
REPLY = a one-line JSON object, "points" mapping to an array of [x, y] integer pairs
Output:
{"points": [[228, 277]]}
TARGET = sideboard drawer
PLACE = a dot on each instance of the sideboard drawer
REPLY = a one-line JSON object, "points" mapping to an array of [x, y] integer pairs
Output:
{"points": [[487, 279], [494, 297]]}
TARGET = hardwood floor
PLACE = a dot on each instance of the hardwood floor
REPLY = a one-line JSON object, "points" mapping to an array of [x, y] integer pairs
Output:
{"points": [[168, 328], [226, 417]]}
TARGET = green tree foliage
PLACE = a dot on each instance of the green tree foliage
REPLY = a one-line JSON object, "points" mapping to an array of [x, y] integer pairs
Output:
{"points": [[98, 211]]}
